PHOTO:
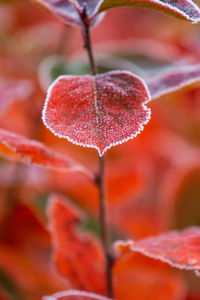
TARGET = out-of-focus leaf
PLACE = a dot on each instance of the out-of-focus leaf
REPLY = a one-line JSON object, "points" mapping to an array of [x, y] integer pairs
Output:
{"points": [[184, 9], [140, 278], [9, 286], [13, 90], [25, 263], [78, 255], [75, 295], [173, 80], [97, 111], [68, 11], [178, 249], [33, 152]]}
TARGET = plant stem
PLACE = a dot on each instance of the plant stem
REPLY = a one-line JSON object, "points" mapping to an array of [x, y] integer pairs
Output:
{"points": [[102, 161], [104, 225], [88, 46]]}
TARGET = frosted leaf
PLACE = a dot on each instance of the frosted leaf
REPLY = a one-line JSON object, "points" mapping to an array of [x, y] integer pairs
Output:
{"points": [[97, 111], [184, 9], [68, 10], [175, 79], [19, 148], [178, 249], [74, 295]]}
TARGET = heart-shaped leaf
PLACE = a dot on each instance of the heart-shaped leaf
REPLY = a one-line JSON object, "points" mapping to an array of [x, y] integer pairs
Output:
{"points": [[97, 111], [184, 9], [33, 152], [75, 295], [178, 249], [68, 11], [173, 80], [78, 255]]}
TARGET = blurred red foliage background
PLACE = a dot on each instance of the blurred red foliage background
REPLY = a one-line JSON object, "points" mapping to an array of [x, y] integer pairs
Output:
{"points": [[153, 181]]}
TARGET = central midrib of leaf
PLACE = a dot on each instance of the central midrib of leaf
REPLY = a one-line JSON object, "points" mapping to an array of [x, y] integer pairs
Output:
{"points": [[97, 109]]}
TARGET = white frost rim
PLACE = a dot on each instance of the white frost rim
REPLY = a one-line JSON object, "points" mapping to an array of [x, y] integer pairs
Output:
{"points": [[75, 293]]}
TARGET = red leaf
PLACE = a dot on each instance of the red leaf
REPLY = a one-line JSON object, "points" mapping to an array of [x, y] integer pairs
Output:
{"points": [[24, 254], [74, 295], [33, 152], [78, 255], [173, 80], [97, 111], [68, 10], [184, 9], [138, 277], [178, 249]]}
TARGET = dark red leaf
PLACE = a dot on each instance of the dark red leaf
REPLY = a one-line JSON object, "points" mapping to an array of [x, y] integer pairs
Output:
{"points": [[77, 254], [184, 9], [174, 80], [33, 152], [178, 249], [97, 111], [74, 295]]}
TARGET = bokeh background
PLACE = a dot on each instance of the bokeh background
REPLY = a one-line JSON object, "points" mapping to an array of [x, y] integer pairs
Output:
{"points": [[153, 181]]}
